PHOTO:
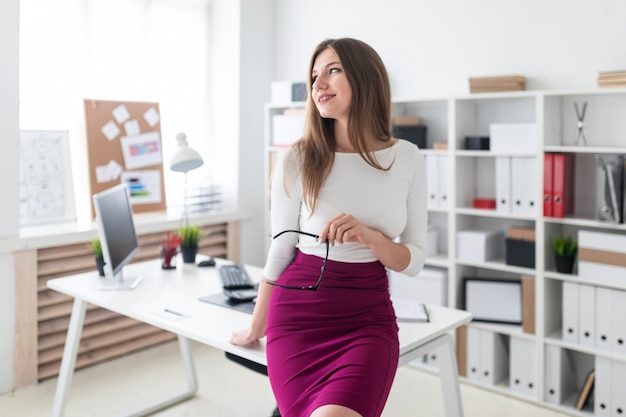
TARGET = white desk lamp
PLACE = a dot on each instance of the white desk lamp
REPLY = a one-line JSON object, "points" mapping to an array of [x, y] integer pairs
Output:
{"points": [[185, 159]]}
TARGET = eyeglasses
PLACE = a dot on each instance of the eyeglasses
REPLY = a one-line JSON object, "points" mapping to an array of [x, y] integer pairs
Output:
{"points": [[319, 281]]}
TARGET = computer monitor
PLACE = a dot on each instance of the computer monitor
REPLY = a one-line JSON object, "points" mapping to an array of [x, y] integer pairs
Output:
{"points": [[116, 229]]}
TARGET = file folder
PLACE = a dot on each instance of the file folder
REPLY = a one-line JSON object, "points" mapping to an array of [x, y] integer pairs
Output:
{"points": [[522, 366], [587, 314], [559, 372], [503, 184], [562, 185], [570, 312], [604, 297], [432, 174], [609, 188], [548, 161], [602, 394]]}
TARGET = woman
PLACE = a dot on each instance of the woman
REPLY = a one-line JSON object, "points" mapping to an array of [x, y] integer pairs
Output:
{"points": [[332, 340]]}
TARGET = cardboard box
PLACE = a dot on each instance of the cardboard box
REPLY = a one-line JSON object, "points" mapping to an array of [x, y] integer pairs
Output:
{"points": [[515, 138], [602, 255], [479, 245]]}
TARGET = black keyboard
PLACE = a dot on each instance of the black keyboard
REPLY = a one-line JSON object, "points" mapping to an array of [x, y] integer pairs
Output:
{"points": [[234, 277]]}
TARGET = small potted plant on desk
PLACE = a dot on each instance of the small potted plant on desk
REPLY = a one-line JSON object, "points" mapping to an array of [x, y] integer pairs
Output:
{"points": [[189, 246], [96, 248], [565, 249]]}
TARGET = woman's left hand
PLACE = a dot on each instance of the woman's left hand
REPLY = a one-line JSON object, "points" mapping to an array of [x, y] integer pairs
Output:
{"points": [[345, 228]]}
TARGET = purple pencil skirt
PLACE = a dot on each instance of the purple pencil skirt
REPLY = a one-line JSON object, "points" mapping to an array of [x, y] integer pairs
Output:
{"points": [[336, 345]]}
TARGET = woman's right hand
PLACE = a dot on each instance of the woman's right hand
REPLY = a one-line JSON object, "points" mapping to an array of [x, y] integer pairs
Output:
{"points": [[244, 338]]}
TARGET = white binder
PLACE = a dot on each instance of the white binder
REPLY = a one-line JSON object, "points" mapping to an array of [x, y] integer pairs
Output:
{"points": [[432, 174], [519, 185], [522, 366], [587, 315], [560, 378], [618, 384], [602, 387], [473, 353], [604, 318], [443, 181], [503, 184], [618, 322], [570, 312], [494, 359]]}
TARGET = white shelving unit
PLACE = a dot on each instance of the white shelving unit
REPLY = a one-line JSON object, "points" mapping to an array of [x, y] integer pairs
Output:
{"points": [[471, 174]]}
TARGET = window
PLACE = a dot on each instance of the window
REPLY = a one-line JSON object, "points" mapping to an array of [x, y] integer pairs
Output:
{"points": [[126, 50]]}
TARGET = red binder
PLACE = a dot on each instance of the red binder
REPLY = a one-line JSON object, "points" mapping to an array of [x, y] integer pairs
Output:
{"points": [[562, 185], [547, 184]]}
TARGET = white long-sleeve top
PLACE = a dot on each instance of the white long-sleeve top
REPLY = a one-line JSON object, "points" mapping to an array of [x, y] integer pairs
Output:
{"points": [[392, 202]]}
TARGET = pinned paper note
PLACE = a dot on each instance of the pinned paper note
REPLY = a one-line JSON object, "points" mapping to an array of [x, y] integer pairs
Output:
{"points": [[151, 116], [144, 186], [121, 113], [132, 127], [110, 130], [109, 172], [141, 150]]}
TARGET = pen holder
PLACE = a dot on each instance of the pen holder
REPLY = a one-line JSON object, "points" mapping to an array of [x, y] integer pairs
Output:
{"points": [[168, 258]]}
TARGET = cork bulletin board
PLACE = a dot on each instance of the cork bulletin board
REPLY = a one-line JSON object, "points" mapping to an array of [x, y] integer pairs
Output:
{"points": [[124, 145]]}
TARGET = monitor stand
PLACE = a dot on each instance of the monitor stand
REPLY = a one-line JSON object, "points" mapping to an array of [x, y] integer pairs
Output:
{"points": [[119, 282]]}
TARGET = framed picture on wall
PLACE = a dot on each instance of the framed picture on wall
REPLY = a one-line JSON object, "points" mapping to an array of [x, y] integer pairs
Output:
{"points": [[46, 186]]}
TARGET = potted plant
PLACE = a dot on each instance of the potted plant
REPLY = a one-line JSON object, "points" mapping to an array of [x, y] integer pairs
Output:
{"points": [[565, 250], [96, 248], [189, 245], [169, 247]]}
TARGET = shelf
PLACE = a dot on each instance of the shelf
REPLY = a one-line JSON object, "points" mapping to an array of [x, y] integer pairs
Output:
{"points": [[498, 266], [468, 211], [586, 149], [489, 154], [468, 174], [440, 260], [585, 221]]}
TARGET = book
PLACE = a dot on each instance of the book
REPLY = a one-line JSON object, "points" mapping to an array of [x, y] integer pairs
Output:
{"points": [[410, 310], [586, 390]]}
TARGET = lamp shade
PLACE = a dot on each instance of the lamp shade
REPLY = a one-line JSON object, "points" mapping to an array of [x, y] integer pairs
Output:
{"points": [[185, 158]]}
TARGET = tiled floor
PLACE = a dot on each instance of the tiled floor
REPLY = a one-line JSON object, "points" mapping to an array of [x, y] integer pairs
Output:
{"points": [[230, 390]]}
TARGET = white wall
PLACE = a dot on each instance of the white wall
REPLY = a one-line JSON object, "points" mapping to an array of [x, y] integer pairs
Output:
{"points": [[432, 47]]}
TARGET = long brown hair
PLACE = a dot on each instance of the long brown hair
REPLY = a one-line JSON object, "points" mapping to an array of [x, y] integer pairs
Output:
{"points": [[369, 116]]}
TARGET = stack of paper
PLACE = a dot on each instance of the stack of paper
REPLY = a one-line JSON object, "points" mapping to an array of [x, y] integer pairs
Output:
{"points": [[612, 79], [410, 310], [497, 83]]}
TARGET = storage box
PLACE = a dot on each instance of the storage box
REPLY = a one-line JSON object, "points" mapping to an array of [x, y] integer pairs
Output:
{"points": [[479, 143], [516, 138], [414, 134], [287, 128], [520, 247], [493, 299], [602, 255], [479, 245], [287, 91], [429, 286]]}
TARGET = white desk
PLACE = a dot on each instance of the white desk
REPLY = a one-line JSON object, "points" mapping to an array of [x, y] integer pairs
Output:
{"points": [[178, 291]]}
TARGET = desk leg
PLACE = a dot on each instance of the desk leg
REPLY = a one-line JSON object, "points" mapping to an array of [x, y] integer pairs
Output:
{"points": [[188, 392], [69, 361], [448, 372], [69, 357]]}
